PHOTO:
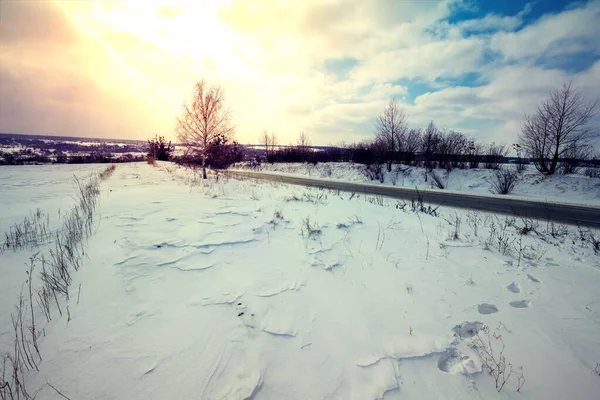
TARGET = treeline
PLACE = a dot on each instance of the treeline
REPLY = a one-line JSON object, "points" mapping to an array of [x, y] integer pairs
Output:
{"points": [[7, 158], [431, 147], [66, 145]]}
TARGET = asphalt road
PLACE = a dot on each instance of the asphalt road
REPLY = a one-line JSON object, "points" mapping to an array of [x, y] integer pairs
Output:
{"points": [[572, 214]]}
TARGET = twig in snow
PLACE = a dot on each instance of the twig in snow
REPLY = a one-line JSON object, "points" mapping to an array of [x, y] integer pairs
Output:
{"points": [[57, 391]]}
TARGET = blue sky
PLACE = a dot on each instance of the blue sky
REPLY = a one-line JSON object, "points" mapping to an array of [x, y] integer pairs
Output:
{"points": [[490, 22], [324, 67]]}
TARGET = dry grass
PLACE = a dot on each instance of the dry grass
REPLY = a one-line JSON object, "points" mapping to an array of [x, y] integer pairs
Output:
{"points": [[32, 232], [310, 229], [490, 349], [64, 256], [107, 172]]}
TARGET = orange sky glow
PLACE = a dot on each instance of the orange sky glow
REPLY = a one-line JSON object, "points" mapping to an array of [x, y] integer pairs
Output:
{"points": [[122, 69]]}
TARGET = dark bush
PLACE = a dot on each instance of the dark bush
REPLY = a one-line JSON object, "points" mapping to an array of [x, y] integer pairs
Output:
{"points": [[505, 180], [221, 154], [374, 172], [160, 149]]}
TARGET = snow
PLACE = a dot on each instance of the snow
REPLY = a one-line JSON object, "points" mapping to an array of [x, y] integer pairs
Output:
{"points": [[574, 188], [243, 289]]}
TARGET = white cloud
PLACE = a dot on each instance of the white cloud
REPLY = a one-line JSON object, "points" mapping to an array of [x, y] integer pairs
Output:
{"points": [[494, 22], [556, 33], [491, 22]]}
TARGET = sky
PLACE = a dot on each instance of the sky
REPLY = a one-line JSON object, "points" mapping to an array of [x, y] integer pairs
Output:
{"points": [[326, 67]]}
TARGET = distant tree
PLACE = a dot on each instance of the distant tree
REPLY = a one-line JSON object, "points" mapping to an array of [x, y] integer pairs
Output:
{"points": [[520, 162], [457, 148], [270, 142], [495, 156], [412, 143], [61, 158], [473, 153], [560, 128], [160, 149], [430, 146], [203, 120], [304, 145], [390, 129], [7, 158]]}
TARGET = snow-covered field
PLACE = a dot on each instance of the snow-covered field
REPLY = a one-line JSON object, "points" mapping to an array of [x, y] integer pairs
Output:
{"points": [[574, 188], [242, 289], [25, 188]]}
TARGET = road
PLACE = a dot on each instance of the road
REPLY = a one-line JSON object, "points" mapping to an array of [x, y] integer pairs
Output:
{"points": [[572, 214]]}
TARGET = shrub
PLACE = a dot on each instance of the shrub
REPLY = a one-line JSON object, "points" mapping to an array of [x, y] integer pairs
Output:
{"points": [[592, 172], [107, 172], [374, 172], [160, 149], [504, 181], [491, 352], [437, 181]]}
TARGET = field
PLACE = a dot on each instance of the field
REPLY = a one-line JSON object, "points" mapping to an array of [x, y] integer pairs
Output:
{"points": [[241, 289]]}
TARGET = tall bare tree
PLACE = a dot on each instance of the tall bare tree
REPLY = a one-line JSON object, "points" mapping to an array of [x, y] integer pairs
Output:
{"points": [[473, 153], [204, 120], [304, 145], [560, 128], [430, 143], [390, 128], [270, 142], [411, 144]]}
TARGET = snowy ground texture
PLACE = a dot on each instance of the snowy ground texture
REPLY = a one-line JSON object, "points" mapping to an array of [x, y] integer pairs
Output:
{"points": [[574, 188], [242, 289]]}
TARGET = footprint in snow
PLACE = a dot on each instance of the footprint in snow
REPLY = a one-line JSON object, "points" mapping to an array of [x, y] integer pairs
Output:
{"points": [[485, 308], [533, 278], [467, 330], [520, 303], [455, 363], [247, 316], [514, 287]]}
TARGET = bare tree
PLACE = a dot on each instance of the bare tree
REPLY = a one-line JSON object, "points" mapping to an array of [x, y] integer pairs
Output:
{"points": [[560, 128], [203, 120], [496, 154], [412, 143], [473, 152], [430, 145], [457, 147], [391, 128], [303, 145], [269, 141]]}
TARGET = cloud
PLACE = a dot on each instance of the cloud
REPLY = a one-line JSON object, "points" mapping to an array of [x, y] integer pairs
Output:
{"points": [[495, 22], [56, 80], [556, 33], [41, 24]]}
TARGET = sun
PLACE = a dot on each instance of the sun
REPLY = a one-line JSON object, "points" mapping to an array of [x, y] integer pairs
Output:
{"points": [[177, 29]]}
